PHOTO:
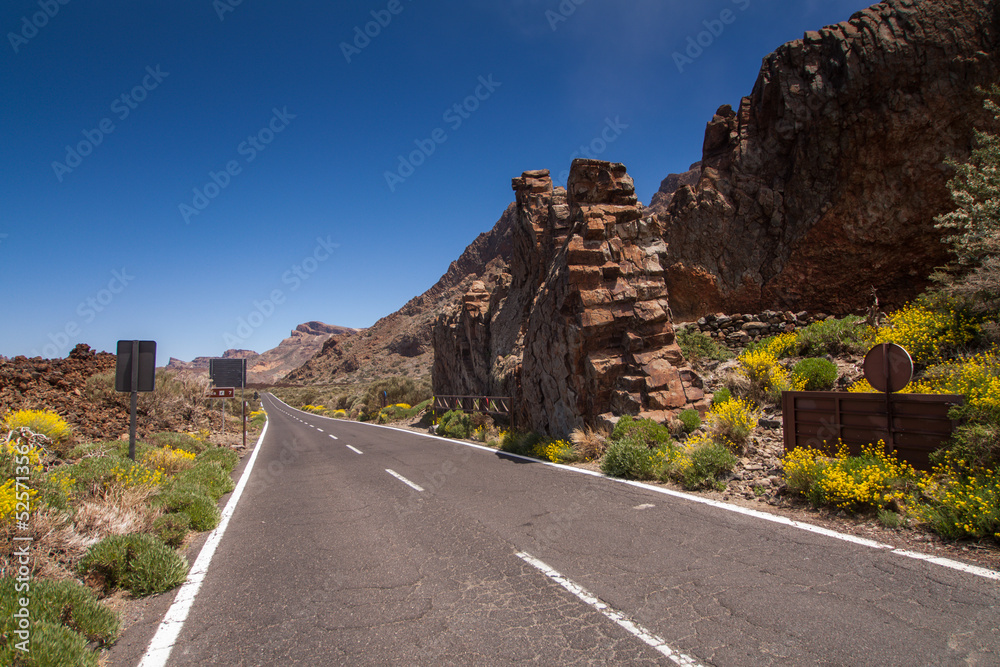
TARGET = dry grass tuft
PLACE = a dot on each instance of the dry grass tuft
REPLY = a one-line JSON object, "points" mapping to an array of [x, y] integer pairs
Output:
{"points": [[117, 511], [589, 443], [56, 548]]}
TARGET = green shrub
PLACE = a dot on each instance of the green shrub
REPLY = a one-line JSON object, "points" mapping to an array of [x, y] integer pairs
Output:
{"points": [[393, 390], [52, 645], [721, 396], [520, 443], [172, 528], [193, 500], [65, 616], [645, 431], [138, 563], [225, 457], [957, 502], [818, 374], [179, 441], [114, 448], [210, 475], [976, 445], [833, 337], [696, 346], [691, 419], [630, 458], [455, 424], [97, 472], [706, 462]]}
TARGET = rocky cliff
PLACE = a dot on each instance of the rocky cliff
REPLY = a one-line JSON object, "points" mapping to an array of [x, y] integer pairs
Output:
{"points": [[826, 180], [579, 329], [400, 343]]}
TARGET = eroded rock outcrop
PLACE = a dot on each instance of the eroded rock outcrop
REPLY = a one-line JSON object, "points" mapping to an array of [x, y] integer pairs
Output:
{"points": [[580, 327], [826, 181]]}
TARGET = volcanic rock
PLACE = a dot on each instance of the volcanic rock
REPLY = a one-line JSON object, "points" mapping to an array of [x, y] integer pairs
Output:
{"points": [[581, 325], [826, 180]]}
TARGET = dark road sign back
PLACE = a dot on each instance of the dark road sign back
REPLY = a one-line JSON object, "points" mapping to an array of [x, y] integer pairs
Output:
{"points": [[228, 372]]}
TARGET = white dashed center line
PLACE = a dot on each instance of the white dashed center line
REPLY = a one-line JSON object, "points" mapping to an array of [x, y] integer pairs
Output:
{"points": [[621, 619], [404, 480]]}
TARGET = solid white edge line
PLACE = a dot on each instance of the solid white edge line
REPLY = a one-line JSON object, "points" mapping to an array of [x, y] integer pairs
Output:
{"points": [[632, 627], [166, 635], [757, 514], [355, 449], [404, 480]]}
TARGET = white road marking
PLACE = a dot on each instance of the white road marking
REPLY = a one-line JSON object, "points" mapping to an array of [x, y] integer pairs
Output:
{"points": [[644, 506], [355, 449], [166, 635], [334, 437], [774, 518], [321, 430], [404, 480], [618, 617]]}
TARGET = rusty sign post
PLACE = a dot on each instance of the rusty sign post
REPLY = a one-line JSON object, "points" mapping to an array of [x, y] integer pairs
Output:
{"points": [[229, 374], [888, 368]]}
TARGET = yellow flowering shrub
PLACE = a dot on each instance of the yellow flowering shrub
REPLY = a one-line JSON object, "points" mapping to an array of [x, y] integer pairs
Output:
{"points": [[167, 461], [8, 500], [957, 505], [767, 377], [556, 451], [62, 480], [872, 480], [129, 475], [730, 423], [315, 409], [929, 334], [43, 422], [16, 448]]}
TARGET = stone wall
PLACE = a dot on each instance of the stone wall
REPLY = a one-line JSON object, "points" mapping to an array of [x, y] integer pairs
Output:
{"points": [[740, 330]]}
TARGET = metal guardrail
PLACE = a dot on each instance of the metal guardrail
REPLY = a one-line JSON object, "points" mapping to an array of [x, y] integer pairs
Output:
{"points": [[919, 424]]}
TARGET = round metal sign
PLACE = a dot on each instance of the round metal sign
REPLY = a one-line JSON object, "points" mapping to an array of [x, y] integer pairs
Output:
{"points": [[888, 367]]}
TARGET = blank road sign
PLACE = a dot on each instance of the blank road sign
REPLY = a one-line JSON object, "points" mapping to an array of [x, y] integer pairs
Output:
{"points": [[147, 366], [228, 372]]}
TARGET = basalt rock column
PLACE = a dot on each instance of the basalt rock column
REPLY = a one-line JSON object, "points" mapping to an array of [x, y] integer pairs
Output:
{"points": [[599, 337]]}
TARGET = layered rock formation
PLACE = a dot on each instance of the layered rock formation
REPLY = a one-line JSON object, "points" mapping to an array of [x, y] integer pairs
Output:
{"points": [[580, 326], [826, 181]]}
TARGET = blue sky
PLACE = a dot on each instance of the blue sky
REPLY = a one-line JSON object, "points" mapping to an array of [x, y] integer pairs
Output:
{"points": [[209, 174]]}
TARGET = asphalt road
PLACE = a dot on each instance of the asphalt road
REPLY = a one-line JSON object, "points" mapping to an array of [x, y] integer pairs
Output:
{"points": [[333, 557]]}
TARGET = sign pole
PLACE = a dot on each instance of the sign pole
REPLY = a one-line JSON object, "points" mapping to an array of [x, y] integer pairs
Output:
{"points": [[223, 416], [135, 399], [243, 400]]}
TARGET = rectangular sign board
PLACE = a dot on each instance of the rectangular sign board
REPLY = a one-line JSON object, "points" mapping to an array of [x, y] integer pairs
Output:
{"points": [[222, 392], [147, 366], [228, 372]]}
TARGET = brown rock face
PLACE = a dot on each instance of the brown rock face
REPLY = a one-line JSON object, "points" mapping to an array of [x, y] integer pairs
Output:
{"points": [[826, 180], [581, 325]]}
